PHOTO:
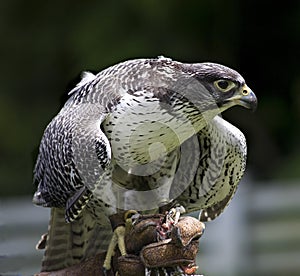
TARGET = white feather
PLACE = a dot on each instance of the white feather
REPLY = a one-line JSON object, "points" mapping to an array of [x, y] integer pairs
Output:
{"points": [[85, 78]]}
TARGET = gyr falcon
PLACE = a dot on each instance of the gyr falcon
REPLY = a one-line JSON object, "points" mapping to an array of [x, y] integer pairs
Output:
{"points": [[138, 135]]}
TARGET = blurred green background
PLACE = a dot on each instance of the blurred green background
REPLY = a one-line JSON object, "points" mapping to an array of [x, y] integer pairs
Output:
{"points": [[46, 44]]}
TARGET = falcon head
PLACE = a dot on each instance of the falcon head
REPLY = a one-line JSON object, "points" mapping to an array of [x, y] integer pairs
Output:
{"points": [[226, 85]]}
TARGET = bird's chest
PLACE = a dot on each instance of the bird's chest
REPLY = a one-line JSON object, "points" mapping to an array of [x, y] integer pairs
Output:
{"points": [[142, 188], [143, 129]]}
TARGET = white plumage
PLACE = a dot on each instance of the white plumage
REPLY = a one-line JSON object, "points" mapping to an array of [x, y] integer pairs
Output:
{"points": [[138, 135]]}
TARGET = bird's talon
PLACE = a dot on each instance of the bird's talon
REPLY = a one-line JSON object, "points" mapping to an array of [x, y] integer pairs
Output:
{"points": [[104, 271]]}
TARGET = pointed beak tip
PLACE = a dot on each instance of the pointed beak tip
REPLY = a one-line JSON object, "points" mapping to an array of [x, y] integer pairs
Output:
{"points": [[250, 101]]}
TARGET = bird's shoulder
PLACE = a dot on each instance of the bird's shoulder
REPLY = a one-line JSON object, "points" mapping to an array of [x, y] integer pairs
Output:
{"points": [[112, 83]]}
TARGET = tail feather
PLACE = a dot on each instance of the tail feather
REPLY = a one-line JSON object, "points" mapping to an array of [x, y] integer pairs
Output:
{"points": [[71, 243]]}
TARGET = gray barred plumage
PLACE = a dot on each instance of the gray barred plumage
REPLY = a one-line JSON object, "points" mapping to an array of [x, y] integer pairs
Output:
{"points": [[138, 135]]}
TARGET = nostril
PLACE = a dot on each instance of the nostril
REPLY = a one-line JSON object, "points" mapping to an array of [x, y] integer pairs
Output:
{"points": [[245, 92]]}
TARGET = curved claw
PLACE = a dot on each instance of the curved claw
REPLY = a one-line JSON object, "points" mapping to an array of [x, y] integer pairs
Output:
{"points": [[104, 270], [174, 214]]}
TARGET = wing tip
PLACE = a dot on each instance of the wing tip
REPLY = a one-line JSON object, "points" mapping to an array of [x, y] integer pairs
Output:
{"points": [[77, 203], [38, 199]]}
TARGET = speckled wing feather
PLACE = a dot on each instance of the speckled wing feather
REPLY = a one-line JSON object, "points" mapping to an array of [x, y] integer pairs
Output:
{"points": [[219, 169], [57, 174], [70, 138]]}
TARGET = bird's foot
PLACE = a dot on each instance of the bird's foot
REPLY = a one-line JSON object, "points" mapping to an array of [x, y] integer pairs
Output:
{"points": [[170, 220], [118, 238], [174, 214]]}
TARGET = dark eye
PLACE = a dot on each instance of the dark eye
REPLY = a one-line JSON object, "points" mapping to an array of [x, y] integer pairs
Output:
{"points": [[224, 85]]}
